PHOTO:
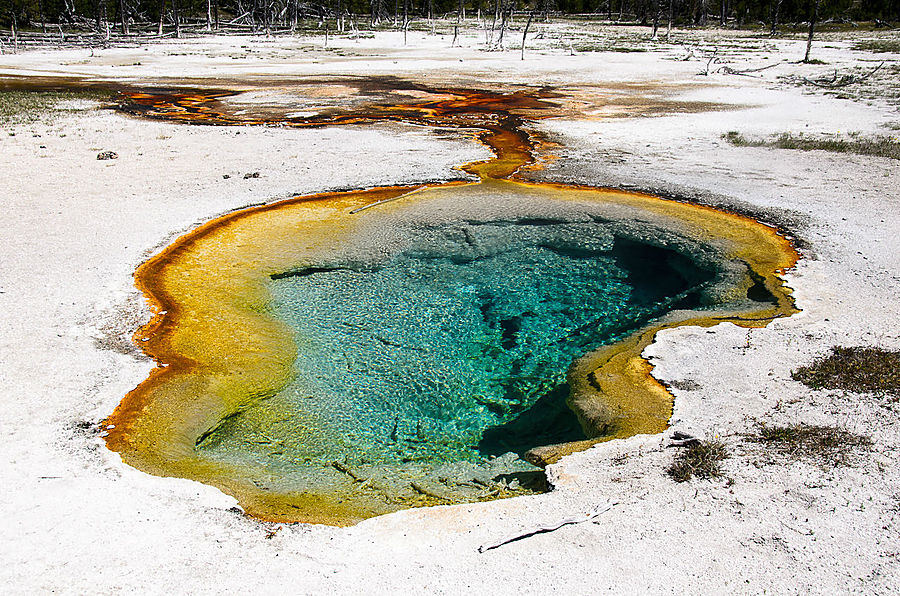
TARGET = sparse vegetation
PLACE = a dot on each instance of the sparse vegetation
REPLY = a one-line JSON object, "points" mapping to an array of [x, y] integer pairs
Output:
{"points": [[17, 107], [585, 47], [829, 446], [878, 145], [859, 369], [878, 46], [701, 459]]}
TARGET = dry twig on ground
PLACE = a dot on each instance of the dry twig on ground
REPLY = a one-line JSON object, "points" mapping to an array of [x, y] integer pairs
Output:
{"points": [[578, 519]]}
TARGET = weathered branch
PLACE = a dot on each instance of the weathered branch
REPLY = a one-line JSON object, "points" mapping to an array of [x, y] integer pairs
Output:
{"points": [[844, 80], [579, 519]]}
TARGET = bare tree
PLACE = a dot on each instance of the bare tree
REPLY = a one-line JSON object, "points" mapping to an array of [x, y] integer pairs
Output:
{"points": [[525, 33], [813, 16], [776, 10], [123, 17], [505, 11], [176, 18], [656, 9], [671, 18], [43, 22], [14, 31], [405, 20]]}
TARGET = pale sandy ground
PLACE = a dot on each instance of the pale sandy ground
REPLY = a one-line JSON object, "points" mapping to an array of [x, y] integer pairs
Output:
{"points": [[75, 520]]}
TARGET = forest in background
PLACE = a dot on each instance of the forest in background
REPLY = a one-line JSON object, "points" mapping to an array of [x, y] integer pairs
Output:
{"points": [[172, 16]]}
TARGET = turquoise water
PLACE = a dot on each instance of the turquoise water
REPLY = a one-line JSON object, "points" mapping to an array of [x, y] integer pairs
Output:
{"points": [[453, 350]]}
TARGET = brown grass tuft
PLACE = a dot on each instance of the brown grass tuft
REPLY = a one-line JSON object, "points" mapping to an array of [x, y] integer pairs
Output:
{"points": [[701, 459], [828, 446], [863, 370], [876, 145]]}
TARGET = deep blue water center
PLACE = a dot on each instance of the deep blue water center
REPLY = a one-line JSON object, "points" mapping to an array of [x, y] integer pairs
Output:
{"points": [[457, 347]]}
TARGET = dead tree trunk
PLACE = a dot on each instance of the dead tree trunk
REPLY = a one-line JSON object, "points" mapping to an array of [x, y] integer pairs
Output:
{"points": [[525, 33], [504, 17], [405, 19], [776, 12], [43, 22], [656, 8], [15, 32], [670, 19], [459, 11], [813, 16], [162, 15], [123, 17], [494, 21], [176, 18]]}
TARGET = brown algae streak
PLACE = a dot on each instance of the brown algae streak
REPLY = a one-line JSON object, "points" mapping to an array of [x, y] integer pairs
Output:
{"points": [[219, 352]]}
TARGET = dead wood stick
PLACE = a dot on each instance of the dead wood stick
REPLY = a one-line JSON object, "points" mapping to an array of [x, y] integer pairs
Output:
{"points": [[348, 471], [578, 519], [845, 80], [423, 490], [746, 72]]}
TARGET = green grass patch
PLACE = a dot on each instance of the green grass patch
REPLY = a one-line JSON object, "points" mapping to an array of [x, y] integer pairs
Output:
{"points": [[829, 446], [22, 107], [876, 145], [702, 459], [878, 46], [863, 370]]}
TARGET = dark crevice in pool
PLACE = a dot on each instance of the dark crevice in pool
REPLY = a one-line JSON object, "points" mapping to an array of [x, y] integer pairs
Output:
{"points": [[657, 273], [549, 421], [758, 291]]}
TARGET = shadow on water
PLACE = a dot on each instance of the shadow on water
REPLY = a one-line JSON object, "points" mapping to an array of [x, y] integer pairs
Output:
{"points": [[547, 422], [655, 274]]}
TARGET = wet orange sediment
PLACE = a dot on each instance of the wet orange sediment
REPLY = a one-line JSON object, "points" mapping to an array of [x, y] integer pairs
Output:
{"points": [[497, 115], [219, 351]]}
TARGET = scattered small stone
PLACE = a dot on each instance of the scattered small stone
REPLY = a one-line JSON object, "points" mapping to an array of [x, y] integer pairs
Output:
{"points": [[104, 155], [43, 146], [226, 176], [251, 175]]}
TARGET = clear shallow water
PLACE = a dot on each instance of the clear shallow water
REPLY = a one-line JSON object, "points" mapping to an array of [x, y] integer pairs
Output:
{"points": [[454, 349]]}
